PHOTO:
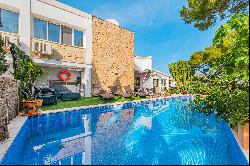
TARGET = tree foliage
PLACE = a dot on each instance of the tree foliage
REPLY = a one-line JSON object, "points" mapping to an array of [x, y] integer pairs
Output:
{"points": [[235, 60], [202, 61], [3, 61], [226, 78], [205, 13], [181, 72], [26, 71]]}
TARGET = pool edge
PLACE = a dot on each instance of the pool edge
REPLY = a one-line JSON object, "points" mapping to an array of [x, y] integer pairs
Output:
{"points": [[237, 141], [14, 127], [108, 104]]}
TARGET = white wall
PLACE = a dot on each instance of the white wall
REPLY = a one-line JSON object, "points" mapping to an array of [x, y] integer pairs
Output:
{"points": [[142, 63], [13, 5], [53, 74], [159, 75], [144, 82], [60, 14]]}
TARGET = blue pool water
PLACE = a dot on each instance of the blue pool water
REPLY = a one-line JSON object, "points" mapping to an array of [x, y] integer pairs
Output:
{"points": [[162, 131]]}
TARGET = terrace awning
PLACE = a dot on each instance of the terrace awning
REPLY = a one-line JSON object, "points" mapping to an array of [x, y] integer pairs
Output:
{"points": [[57, 63]]}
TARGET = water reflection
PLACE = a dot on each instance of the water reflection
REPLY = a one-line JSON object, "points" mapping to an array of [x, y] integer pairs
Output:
{"points": [[79, 134], [159, 132], [75, 149]]}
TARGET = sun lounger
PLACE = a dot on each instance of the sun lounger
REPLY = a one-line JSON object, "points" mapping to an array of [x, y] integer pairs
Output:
{"points": [[102, 93], [64, 93], [129, 90], [126, 94], [114, 90], [141, 93]]}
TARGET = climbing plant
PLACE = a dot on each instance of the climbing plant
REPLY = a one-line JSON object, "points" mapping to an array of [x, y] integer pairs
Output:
{"points": [[147, 73]]}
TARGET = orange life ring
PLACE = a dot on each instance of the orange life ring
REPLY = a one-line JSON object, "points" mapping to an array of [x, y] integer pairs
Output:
{"points": [[65, 73]]}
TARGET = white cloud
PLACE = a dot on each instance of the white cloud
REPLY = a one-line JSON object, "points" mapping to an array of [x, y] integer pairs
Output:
{"points": [[139, 13]]}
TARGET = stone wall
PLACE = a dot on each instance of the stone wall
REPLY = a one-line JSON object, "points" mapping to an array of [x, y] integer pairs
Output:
{"points": [[62, 52], [112, 55], [8, 104]]}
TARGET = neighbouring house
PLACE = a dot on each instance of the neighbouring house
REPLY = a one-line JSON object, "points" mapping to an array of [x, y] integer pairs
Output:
{"points": [[61, 38], [147, 77]]}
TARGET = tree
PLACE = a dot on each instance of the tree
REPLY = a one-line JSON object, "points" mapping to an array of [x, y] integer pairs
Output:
{"points": [[205, 13], [181, 71], [25, 71], [3, 61], [228, 93], [235, 60], [202, 61]]}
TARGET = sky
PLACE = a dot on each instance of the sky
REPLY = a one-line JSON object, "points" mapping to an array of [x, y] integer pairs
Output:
{"points": [[159, 30]]}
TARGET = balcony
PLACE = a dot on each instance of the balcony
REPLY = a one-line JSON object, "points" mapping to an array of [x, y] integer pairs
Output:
{"points": [[60, 52], [9, 38]]}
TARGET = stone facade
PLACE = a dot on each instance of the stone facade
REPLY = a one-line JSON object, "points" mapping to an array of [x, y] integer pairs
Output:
{"points": [[62, 52], [112, 55], [8, 104]]}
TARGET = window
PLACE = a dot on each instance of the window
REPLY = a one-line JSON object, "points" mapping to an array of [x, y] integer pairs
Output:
{"points": [[156, 82], [40, 29], [137, 81], [8, 21], [163, 82], [54, 32], [66, 35], [78, 38], [49, 31]]}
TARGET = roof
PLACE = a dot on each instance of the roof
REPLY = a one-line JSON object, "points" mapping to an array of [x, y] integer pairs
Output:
{"points": [[67, 8], [114, 24], [157, 71]]}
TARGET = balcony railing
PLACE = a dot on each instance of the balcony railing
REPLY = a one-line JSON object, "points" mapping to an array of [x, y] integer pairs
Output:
{"points": [[58, 51]]}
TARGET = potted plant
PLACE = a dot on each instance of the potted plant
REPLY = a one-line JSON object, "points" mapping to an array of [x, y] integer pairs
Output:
{"points": [[27, 73], [167, 93]]}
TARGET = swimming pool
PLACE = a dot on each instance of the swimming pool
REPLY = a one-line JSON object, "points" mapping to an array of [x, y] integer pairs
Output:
{"points": [[159, 131]]}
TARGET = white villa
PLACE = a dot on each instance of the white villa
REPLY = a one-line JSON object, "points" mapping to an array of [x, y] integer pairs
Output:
{"points": [[157, 80], [61, 38]]}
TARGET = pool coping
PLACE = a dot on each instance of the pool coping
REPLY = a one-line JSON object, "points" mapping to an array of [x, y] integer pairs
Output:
{"points": [[245, 152], [16, 124], [108, 104], [13, 127]]}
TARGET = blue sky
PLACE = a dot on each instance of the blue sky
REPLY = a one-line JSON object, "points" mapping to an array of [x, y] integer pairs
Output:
{"points": [[159, 30]]}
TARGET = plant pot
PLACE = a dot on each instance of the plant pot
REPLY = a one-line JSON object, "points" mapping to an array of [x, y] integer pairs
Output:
{"points": [[32, 107], [167, 94]]}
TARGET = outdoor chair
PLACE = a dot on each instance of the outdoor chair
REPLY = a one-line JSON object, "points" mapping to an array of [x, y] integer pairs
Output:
{"points": [[97, 91], [140, 92], [114, 90], [129, 90], [47, 95], [128, 93], [64, 93], [149, 92]]}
